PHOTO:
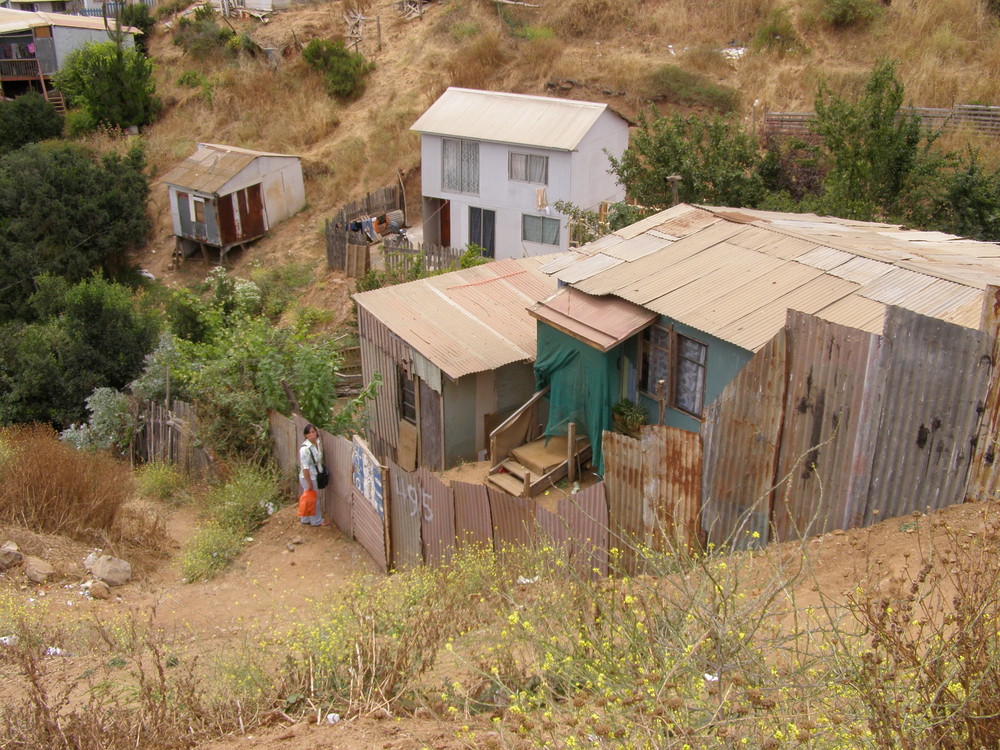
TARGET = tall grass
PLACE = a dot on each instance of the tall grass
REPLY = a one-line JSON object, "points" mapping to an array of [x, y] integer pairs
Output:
{"points": [[49, 486]]}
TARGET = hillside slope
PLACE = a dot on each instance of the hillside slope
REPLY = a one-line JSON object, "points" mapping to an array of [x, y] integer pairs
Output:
{"points": [[602, 50]]}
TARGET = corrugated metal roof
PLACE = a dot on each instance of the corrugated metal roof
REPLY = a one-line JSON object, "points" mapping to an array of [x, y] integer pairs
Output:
{"points": [[510, 118], [23, 20], [601, 322], [467, 321], [212, 166], [735, 280]]}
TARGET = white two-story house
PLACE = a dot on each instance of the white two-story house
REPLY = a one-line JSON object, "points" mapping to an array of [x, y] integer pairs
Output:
{"points": [[495, 164]]}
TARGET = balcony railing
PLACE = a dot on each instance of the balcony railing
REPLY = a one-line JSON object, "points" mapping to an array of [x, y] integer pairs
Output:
{"points": [[23, 69]]}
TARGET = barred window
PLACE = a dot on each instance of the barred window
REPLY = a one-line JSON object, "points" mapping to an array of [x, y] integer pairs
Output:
{"points": [[460, 166]]}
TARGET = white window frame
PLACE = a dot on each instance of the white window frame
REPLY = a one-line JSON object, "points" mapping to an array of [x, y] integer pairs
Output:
{"points": [[542, 222], [676, 361], [521, 167], [462, 175]]}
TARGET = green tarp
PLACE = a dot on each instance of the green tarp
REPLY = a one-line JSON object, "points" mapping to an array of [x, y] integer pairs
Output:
{"points": [[584, 384]]}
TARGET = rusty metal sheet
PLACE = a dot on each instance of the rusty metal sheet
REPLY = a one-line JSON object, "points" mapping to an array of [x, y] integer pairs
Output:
{"points": [[513, 519], [936, 377], [368, 502], [473, 521], [623, 479], [984, 473], [337, 451], [671, 486], [438, 520], [284, 438], [585, 518], [826, 448], [405, 511], [380, 353], [740, 450]]}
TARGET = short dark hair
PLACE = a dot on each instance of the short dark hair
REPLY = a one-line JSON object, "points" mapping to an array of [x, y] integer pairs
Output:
{"points": [[307, 429]]}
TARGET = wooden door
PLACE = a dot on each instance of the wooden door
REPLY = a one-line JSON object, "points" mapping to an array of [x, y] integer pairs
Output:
{"points": [[430, 425]]}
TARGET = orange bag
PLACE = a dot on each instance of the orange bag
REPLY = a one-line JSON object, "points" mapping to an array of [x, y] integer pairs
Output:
{"points": [[307, 503]]}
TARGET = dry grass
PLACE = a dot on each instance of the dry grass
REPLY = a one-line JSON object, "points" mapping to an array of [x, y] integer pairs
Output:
{"points": [[52, 487]]}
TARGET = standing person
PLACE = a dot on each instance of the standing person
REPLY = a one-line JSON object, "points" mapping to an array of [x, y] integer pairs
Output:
{"points": [[311, 460]]}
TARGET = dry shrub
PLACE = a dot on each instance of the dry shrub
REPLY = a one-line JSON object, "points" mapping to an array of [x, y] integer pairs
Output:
{"points": [[478, 63], [733, 18], [707, 59], [599, 19], [49, 486]]}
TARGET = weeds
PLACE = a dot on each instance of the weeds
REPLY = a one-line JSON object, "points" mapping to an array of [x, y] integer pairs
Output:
{"points": [[232, 511], [679, 86], [161, 480]]}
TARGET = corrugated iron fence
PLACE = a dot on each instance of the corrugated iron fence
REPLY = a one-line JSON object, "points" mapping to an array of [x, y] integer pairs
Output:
{"points": [[830, 427], [404, 518], [347, 250]]}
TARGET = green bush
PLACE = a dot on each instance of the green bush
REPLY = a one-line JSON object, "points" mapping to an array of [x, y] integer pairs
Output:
{"points": [[170, 7], [161, 480], [191, 79], [27, 119], [113, 84], [138, 15], [203, 37], [679, 86], [778, 35], [232, 511], [343, 71], [842, 14]]}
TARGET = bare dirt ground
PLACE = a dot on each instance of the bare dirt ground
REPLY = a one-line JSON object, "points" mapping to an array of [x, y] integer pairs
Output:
{"points": [[275, 577]]}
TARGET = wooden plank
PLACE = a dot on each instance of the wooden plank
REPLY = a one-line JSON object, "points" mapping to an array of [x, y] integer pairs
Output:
{"points": [[406, 450]]}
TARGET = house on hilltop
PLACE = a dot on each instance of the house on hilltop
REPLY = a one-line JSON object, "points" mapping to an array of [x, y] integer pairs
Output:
{"points": [[34, 46], [494, 164], [223, 197], [455, 355], [669, 311]]}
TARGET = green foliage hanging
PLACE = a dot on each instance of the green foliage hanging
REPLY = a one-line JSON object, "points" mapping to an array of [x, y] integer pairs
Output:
{"points": [[66, 212], [27, 119]]}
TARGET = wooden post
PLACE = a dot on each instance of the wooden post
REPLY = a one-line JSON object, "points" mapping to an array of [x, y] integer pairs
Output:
{"points": [[661, 400], [526, 492], [571, 450]]}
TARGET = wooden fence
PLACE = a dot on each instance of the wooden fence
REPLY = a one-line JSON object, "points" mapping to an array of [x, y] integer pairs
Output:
{"points": [[169, 435], [402, 258], [347, 250], [968, 117]]}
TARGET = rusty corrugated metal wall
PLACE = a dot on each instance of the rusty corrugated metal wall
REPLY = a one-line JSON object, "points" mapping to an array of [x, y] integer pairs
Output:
{"points": [[381, 350], [984, 473], [623, 478], [367, 521], [513, 519], [438, 525], [936, 377], [405, 511], [826, 439], [741, 433], [671, 486], [285, 442], [579, 526], [339, 492], [473, 520]]}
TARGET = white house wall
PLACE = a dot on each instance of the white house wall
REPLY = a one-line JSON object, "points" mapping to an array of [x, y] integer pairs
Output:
{"points": [[580, 177], [281, 180], [66, 39], [591, 181]]}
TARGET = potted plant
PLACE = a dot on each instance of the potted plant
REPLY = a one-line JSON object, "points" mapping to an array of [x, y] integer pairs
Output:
{"points": [[628, 417]]}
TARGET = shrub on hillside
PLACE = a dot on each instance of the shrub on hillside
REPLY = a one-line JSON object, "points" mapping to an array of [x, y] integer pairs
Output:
{"points": [[778, 35], [49, 486], [343, 71], [27, 119], [843, 14], [678, 86], [201, 36], [138, 16]]}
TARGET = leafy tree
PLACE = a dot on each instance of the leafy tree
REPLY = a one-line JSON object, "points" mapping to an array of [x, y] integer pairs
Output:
{"points": [[880, 157], [717, 159], [344, 71], [27, 119], [138, 16], [92, 335], [969, 204], [65, 212], [112, 83]]}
